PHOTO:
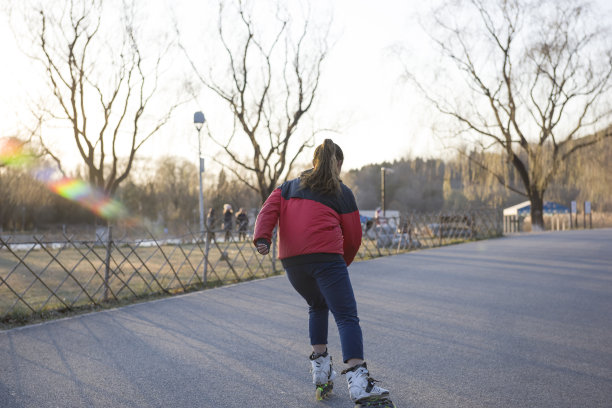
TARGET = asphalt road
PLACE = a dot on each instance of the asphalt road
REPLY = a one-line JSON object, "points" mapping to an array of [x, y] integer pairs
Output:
{"points": [[522, 321]]}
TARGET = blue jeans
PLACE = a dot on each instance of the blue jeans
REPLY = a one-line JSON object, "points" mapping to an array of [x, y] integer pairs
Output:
{"points": [[326, 286]]}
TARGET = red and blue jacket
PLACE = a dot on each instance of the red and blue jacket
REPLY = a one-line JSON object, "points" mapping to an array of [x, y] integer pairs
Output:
{"points": [[311, 226]]}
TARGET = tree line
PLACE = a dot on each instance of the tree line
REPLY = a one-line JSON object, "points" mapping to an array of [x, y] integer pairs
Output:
{"points": [[463, 183], [166, 192], [163, 194]]}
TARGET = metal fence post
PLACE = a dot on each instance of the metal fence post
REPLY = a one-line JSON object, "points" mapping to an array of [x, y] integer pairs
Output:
{"points": [[107, 261], [206, 251]]}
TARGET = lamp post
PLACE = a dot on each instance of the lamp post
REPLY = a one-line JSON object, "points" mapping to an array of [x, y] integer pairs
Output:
{"points": [[382, 190], [198, 121], [383, 171]]}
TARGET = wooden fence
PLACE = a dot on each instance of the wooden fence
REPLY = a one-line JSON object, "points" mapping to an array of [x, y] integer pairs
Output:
{"points": [[559, 222], [41, 277]]}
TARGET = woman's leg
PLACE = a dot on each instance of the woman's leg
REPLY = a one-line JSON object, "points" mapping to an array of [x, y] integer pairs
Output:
{"points": [[334, 284], [301, 280]]}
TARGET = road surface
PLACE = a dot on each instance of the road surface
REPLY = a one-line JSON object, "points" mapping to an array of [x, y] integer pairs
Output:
{"points": [[521, 321]]}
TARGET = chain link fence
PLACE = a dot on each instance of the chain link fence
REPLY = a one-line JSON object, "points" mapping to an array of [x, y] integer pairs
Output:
{"points": [[43, 277]]}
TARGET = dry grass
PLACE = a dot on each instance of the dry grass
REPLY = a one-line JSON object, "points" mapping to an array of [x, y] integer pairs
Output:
{"points": [[41, 280], [50, 279]]}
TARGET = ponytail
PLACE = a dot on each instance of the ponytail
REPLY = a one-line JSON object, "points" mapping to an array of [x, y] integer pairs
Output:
{"points": [[324, 178]]}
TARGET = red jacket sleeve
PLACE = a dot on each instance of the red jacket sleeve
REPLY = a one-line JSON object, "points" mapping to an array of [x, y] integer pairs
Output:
{"points": [[351, 230], [268, 217]]}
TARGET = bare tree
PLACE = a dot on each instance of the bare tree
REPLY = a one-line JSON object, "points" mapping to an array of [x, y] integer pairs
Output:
{"points": [[102, 87], [269, 80], [538, 78]]}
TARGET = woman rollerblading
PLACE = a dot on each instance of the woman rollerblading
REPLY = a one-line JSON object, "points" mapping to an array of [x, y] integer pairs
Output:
{"points": [[319, 232]]}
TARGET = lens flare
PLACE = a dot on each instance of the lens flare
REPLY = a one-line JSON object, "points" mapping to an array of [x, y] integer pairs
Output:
{"points": [[13, 152], [89, 197]]}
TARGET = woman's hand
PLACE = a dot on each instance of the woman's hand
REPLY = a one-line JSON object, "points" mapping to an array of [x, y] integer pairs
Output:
{"points": [[263, 248]]}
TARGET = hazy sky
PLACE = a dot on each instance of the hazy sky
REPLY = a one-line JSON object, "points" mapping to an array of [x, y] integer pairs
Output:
{"points": [[361, 88]]}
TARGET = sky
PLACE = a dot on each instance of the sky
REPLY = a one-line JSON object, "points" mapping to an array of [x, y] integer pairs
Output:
{"points": [[381, 118], [360, 88]]}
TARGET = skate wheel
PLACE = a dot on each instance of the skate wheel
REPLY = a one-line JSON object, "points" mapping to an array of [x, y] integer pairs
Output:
{"points": [[324, 390]]}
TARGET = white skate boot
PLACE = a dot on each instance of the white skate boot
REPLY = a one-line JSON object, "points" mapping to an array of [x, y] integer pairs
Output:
{"points": [[362, 389], [323, 374]]}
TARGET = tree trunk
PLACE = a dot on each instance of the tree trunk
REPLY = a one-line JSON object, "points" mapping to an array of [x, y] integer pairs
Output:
{"points": [[537, 209], [265, 192]]}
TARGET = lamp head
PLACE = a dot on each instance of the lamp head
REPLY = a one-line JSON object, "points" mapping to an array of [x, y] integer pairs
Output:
{"points": [[198, 120]]}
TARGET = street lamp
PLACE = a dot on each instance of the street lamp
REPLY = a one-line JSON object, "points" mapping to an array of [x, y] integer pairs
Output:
{"points": [[383, 170], [198, 121]]}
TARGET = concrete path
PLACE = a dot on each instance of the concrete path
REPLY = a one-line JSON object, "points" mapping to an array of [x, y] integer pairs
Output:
{"points": [[524, 321]]}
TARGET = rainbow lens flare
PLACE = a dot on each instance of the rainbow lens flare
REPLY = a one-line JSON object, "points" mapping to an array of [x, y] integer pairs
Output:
{"points": [[93, 199], [13, 152]]}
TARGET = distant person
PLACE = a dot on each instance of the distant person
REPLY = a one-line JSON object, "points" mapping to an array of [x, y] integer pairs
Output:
{"points": [[319, 232], [242, 220], [378, 218], [228, 221], [210, 224]]}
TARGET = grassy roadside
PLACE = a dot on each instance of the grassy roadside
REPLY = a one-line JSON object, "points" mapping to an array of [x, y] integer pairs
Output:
{"points": [[46, 284]]}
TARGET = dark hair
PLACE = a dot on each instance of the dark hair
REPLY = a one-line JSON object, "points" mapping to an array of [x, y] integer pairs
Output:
{"points": [[324, 177]]}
